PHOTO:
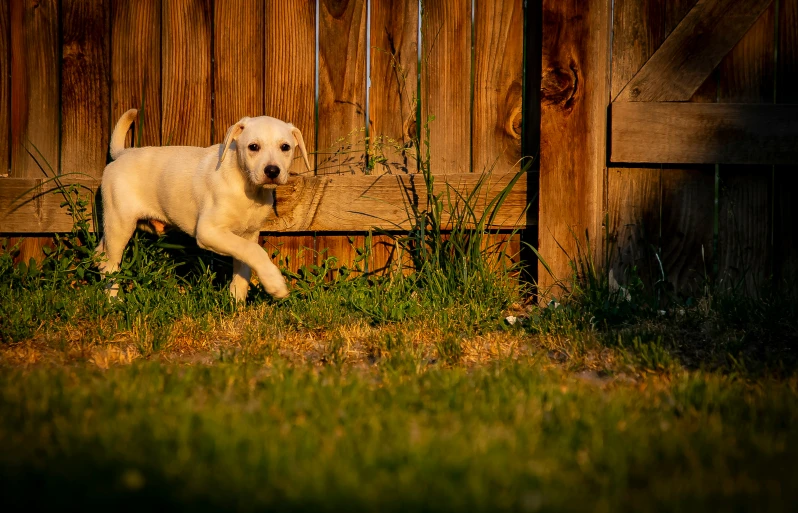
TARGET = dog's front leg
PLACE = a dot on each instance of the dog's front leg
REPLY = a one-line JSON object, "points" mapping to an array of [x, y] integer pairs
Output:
{"points": [[249, 253], [240, 283]]}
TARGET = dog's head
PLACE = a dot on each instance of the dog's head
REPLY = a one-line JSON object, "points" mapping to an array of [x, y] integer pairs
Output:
{"points": [[265, 148]]}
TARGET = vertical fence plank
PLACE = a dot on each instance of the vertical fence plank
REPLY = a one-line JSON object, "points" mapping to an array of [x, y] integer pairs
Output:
{"points": [[290, 94], [291, 251], [186, 73], [85, 94], [785, 235], [574, 98], [136, 65], [290, 69], [238, 67], [446, 84], [342, 86], [498, 85], [5, 88], [342, 103], [744, 224], [35, 98], [688, 199], [633, 194], [393, 95], [393, 99]]}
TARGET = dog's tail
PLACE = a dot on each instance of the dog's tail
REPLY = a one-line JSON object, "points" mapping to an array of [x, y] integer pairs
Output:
{"points": [[120, 131]]}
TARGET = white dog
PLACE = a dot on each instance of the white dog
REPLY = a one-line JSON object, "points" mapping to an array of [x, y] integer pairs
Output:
{"points": [[222, 201]]}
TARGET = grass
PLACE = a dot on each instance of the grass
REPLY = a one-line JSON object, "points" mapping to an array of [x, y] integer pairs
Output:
{"points": [[395, 392], [372, 393]]}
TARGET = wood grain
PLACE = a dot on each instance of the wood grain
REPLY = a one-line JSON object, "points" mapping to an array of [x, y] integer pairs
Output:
{"points": [[744, 224], [5, 88], [290, 69], [785, 235], [498, 85], [33, 205], [394, 94], [682, 132], [291, 251], [342, 87], [688, 197], [446, 84], [186, 73], [238, 63], [290, 90], [85, 87], [687, 249], [35, 98], [634, 194], [692, 50], [136, 66], [574, 97], [309, 204]]}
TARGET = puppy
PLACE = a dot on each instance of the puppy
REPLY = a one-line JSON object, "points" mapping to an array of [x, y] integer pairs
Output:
{"points": [[221, 195]]}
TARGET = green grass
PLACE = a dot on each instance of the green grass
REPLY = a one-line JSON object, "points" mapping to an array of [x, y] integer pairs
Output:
{"points": [[396, 392], [512, 435]]}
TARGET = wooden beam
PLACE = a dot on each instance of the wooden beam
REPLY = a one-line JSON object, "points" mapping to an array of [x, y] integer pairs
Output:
{"points": [[695, 47], [703, 133], [307, 204]]}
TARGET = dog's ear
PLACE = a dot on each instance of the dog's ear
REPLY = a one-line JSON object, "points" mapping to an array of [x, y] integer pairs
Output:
{"points": [[232, 134], [301, 143]]}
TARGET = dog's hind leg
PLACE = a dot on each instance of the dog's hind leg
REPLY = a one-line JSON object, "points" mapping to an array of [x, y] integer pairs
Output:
{"points": [[117, 234]]}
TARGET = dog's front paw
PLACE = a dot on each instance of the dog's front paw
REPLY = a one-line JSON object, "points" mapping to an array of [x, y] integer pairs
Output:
{"points": [[280, 292]]}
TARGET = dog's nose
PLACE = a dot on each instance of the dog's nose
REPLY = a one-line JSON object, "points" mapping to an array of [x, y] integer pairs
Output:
{"points": [[272, 171]]}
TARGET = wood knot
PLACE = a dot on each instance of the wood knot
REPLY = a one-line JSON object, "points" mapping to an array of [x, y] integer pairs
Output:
{"points": [[559, 85], [410, 128]]}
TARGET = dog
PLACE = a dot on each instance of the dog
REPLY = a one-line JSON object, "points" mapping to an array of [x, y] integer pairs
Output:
{"points": [[221, 195]]}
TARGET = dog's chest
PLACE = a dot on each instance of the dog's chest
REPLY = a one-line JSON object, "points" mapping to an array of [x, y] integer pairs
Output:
{"points": [[250, 216]]}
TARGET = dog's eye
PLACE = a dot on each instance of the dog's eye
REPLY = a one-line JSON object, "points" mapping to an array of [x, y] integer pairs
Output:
{"points": [[285, 147], [253, 147]]}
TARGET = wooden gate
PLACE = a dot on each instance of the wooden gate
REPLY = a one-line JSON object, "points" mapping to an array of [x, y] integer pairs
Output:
{"points": [[354, 76], [680, 120]]}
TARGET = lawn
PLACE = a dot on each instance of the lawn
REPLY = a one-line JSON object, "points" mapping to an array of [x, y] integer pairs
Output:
{"points": [[410, 391]]}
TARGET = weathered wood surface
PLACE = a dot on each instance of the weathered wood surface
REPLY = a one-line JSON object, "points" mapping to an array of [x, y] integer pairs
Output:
{"points": [[5, 88], [785, 207], [692, 50], [446, 84], [688, 201], [342, 87], [498, 85], [634, 194], [136, 66], [33, 205], [290, 70], [238, 66], [290, 89], [85, 87], [574, 97], [745, 195], [35, 97], [695, 133], [323, 203], [393, 96], [186, 73]]}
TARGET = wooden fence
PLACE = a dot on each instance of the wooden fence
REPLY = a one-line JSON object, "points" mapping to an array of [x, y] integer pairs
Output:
{"points": [[354, 76], [666, 129], [672, 125]]}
